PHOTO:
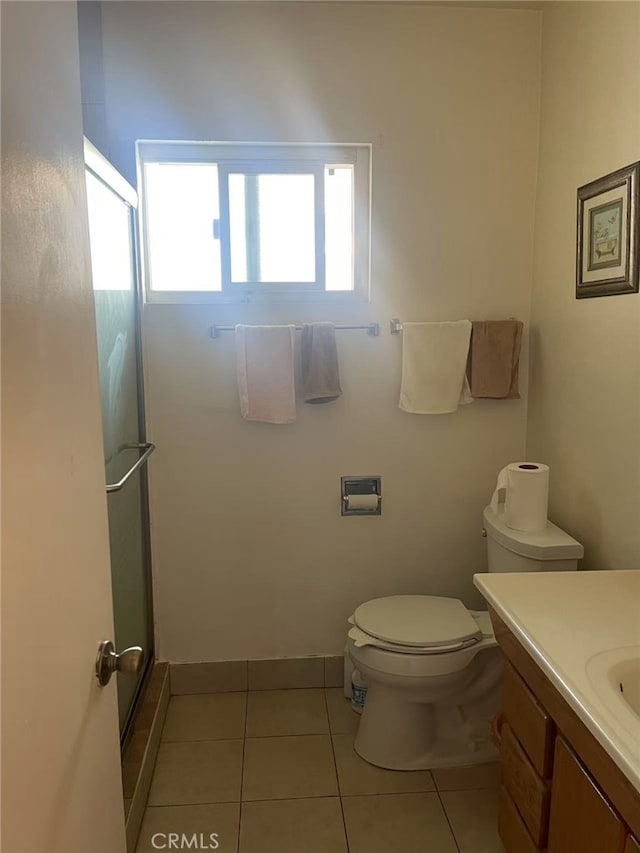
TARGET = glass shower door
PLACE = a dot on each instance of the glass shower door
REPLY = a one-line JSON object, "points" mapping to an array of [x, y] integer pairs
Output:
{"points": [[111, 204]]}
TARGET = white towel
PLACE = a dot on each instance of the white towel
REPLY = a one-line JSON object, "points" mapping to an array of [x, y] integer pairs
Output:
{"points": [[266, 381], [434, 358]]}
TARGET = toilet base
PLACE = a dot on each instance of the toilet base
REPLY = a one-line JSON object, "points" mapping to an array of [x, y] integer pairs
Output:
{"points": [[414, 751], [400, 729]]}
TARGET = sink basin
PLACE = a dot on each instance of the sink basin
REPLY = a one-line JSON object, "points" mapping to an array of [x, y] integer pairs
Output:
{"points": [[615, 676], [627, 674]]}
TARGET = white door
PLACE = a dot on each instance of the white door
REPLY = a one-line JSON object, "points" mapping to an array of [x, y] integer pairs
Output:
{"points": [[61, 788]]}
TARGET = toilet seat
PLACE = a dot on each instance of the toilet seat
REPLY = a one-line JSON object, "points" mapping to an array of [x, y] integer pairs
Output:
{"points": [[415, 624]]}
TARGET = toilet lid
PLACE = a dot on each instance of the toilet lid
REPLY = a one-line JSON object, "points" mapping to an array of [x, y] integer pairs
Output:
{"points": [[417, 620]]}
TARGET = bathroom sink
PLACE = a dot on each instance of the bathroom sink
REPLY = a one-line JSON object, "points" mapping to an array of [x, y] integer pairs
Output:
{"points": [[626, 677], [615, 676]]}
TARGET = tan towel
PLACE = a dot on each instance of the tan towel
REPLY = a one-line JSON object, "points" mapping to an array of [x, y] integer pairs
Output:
{"points": [[434, 357], [320, 374], [266, 385], [494, 358]]}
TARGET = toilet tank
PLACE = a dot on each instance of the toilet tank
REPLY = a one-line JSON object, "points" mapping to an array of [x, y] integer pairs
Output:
{"points": [[548, 550]]}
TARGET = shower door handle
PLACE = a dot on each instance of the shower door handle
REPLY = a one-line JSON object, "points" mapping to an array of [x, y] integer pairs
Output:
{"points": [[128, 662]]}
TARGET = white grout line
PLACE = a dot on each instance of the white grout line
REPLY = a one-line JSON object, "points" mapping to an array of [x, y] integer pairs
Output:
{"points": [[446, 817], [335, 767], [244, 745]]}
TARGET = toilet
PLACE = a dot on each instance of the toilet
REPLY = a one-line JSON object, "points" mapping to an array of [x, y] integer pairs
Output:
{"points": [[433, 667]]}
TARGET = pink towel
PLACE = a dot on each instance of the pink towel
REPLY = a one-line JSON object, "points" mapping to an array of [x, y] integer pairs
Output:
{"points": [[266, 384]]}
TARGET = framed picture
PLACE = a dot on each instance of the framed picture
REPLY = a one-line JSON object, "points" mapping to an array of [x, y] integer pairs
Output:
{"points": [[608, 234]]}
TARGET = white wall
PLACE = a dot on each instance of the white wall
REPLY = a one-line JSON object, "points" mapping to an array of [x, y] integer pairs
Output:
{"points": [[94, 118], [584, 409], [251, 556]]}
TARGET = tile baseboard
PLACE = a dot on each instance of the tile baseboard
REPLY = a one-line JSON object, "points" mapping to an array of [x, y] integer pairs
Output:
{"points": [[267, 674], [334, 671], [227, 676]]}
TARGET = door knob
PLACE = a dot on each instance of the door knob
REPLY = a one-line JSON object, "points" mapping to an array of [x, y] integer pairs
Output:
{"points": [[128, 662]]}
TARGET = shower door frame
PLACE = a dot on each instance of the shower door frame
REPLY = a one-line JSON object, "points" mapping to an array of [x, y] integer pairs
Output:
{"points": [[105, 172]]}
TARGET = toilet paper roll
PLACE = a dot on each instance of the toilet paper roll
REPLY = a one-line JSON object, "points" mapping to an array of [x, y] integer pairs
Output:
{"points": [[526, 503], [362, 502]]}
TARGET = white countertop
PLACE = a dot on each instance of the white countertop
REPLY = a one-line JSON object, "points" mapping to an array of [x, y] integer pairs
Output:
{"points": [[564, 619]]}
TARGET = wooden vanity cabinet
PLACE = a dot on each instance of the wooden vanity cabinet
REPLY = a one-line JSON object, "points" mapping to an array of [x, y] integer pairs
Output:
{"points": [[560, 791]]}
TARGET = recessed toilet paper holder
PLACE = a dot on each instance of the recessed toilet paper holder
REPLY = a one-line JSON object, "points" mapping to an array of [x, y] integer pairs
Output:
{"points": [[361, 495]]}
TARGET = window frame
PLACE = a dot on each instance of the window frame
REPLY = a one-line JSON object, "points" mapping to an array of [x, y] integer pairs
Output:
{"points": [[263, 158]]}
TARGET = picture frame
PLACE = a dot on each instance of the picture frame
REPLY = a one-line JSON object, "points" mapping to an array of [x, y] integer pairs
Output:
{"points": [[608, 238]]}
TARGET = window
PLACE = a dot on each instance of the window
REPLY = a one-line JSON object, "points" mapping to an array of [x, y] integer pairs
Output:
{"points": [[110, 236], [231, 220]]}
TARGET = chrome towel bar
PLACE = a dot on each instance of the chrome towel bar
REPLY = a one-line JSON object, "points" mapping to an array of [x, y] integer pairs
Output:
{"points": [[372, 329], [395, 325], [148, 448]]}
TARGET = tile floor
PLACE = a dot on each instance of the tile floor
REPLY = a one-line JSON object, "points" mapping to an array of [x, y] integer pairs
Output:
{"points": [[274, 771]]}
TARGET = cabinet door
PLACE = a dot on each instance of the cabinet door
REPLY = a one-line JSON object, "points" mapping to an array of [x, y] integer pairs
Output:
{"points": [[632, 845], [582, 821]]}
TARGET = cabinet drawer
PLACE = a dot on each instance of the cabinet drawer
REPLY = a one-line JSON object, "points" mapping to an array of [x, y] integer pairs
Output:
{"points": [[528, 791], [511, 829], [529, 721]]}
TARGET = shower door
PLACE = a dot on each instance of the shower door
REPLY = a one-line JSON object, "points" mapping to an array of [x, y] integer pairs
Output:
{"points": [[112, 209]]}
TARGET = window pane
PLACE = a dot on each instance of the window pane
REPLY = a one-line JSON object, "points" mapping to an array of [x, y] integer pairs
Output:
{"points": [[109, 237], [272, 222], [238, 228], [338, 224], [181, 206]]}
